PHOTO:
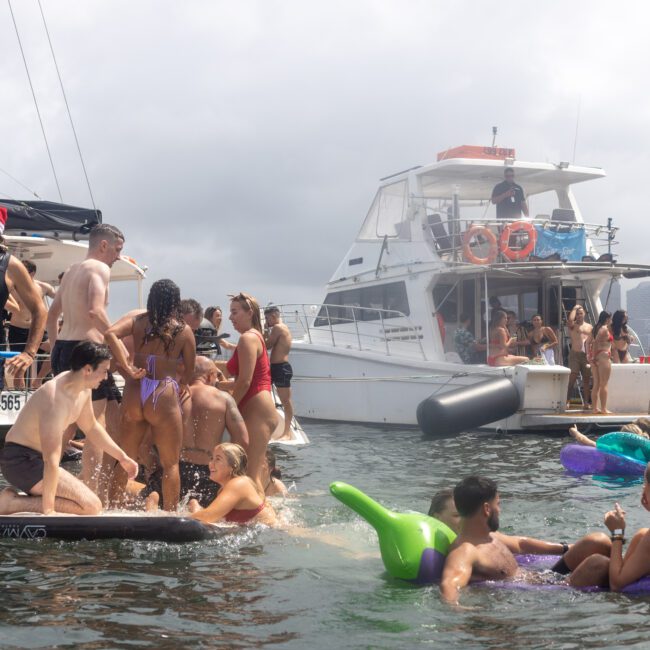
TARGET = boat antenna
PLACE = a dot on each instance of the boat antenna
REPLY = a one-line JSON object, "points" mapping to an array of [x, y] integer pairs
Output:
{"points": [[67, 107], [38, 112], [494, 135], [575, 137]]}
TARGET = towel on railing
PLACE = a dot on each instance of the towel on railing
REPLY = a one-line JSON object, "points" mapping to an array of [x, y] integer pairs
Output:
{"points": [[569, 245]]}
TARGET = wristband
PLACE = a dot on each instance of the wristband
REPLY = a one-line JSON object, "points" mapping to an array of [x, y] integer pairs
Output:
{"points": [[618, 538], [30, 354], [565, 547]]}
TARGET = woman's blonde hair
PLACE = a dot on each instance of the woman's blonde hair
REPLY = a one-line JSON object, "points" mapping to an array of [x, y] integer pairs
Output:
{"points": [[248, 303], [235, 456], [634, 428]]}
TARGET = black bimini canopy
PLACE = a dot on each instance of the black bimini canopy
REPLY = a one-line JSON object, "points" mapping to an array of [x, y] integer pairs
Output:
{"points": [[45, 215]]}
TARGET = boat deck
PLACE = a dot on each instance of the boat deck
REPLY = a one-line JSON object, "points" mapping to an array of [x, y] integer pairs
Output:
{"points": [[565, 419]]}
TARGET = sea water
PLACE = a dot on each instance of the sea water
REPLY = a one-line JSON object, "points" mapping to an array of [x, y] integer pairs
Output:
{"points": [[322, 584]]}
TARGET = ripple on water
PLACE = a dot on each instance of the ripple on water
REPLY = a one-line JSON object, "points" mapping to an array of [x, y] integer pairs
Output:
{"points": [[324, 587]]}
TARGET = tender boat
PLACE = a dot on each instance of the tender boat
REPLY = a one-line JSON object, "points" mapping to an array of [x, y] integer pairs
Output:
{"points": [[431, 248]]}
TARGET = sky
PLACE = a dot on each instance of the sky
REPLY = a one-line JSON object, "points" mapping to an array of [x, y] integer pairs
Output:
{"points": [[239, 144]]}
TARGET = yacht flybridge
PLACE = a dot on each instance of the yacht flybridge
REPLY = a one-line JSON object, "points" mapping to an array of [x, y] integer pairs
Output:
{"points": [[431, 248]]}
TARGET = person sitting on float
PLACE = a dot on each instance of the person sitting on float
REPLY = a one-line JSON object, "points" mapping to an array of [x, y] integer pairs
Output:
{"points": [[500, 342], [543, 340], [624, 570], [634, 427]]}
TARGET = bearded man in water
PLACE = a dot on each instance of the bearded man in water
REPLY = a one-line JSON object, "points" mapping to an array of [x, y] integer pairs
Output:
{"points": [[31, 455], [481, 553]]}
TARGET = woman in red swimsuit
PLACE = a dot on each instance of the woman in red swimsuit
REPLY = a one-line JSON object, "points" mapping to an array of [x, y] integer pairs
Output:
{"points": [[251, 389], [599, 347], [240, 500]]}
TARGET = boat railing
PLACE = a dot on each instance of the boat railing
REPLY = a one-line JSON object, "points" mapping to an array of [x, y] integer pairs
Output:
{"points": [[30, 382], [456, 239], [354, 327]]}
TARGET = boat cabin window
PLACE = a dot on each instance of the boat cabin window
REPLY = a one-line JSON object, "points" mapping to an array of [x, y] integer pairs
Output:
{"points": [[387, 214], [390, 297]]}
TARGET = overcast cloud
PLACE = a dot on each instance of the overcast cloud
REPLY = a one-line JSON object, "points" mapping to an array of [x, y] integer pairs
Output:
{"points": [[239, 144]]}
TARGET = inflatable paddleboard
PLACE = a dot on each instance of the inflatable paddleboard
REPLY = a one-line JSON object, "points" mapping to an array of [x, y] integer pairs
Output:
{"points": [[72, 528]]}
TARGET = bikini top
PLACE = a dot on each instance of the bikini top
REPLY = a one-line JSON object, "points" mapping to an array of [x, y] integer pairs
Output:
{"points": [[242, 516]]}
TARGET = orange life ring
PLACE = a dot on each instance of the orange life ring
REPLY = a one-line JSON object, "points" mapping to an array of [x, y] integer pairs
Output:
{"points": [[504, 240], [486, 233]]}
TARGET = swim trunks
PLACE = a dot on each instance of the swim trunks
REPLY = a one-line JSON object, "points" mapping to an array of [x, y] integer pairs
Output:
{"points": [[578, 363], [17, 337], [281, 374], [21, 466], [561, 567], [61, 355], [195, 484]]}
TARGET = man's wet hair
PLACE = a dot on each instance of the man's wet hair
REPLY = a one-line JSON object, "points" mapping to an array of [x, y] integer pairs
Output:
{"points": [[272, 309], [472, 492], [191, 306], [104, 231], [88, 353], [30, 266], [439, 501]]}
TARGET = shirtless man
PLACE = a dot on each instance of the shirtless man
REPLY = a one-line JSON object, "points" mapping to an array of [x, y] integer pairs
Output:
{"points": [[481, 553], [15, 279], [82, 298], [212, 411], [278, 340], [578, 363], [30, 457], [21, 318]]}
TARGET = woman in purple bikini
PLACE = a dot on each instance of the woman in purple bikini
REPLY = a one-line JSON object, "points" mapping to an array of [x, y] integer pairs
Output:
{"points": [[155, 381]]}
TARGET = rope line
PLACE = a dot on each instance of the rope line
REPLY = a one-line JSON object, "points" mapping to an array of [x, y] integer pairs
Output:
{"points": [[38, 112], [67, 107]]}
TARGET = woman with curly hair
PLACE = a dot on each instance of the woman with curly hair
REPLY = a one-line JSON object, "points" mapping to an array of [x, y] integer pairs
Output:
{"points": [[152, 388]]}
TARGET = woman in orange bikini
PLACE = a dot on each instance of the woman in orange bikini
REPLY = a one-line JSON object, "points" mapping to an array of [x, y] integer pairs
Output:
{"points": [[500, 341], [239, 500], [251, 389], [599, 347]]}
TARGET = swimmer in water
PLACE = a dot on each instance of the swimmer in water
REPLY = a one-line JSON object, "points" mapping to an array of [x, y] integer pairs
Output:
{"points": [[481, 553], [273, 486], [638, 427], [444, 509], [30, 457], [239, 500]]}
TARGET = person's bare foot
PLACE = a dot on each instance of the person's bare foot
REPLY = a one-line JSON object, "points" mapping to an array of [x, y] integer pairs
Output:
{"points": [[6, 498], [193, 506], [151, 502]]}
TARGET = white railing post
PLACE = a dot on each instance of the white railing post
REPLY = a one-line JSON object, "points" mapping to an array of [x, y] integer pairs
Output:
{"points": [[329, 322], [356, 326], [383, 329], [304, 313]]}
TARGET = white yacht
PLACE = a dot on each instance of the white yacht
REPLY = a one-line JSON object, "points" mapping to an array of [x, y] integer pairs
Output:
{"points": [[431, 248]]}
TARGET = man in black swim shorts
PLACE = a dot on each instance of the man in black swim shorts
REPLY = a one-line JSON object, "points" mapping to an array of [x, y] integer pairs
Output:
{"points": [[278, 340], [82, 298], [30, 457]]}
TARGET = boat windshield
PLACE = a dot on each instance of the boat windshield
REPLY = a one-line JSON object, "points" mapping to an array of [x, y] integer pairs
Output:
{"points": [[387, 216]]}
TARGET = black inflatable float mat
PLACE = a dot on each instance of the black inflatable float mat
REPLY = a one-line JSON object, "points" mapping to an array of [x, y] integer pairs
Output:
{"points": [[148, 528]]}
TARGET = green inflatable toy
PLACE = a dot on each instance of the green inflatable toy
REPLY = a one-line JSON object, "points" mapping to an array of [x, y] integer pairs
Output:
{"points": [[624, 443], [413, 546]]}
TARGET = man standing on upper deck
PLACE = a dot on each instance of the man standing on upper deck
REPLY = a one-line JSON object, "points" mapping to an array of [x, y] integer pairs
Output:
{"points": [[82, 298], [278, 340], [509, 197], [579, 331]]}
